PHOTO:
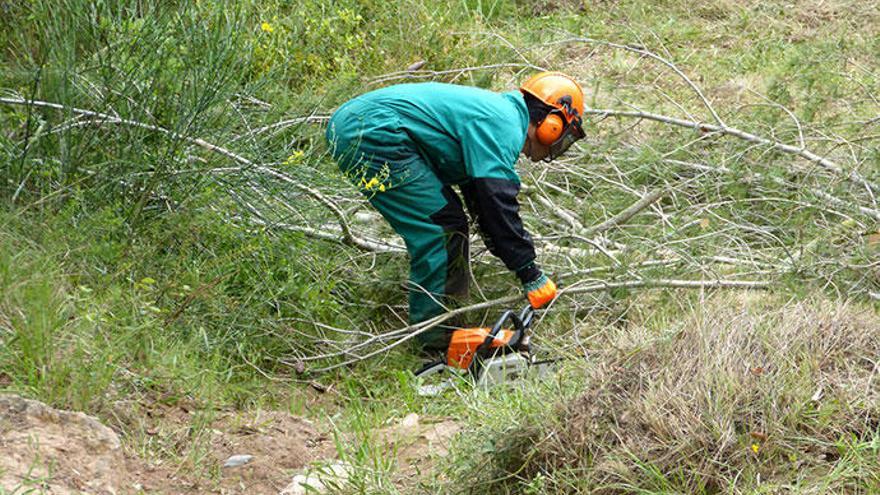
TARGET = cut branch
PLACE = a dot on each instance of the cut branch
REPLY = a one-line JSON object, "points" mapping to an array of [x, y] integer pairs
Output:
{"points": [[428, 74], [628, 213], [408, 333], [99, 118], [825, 163]]}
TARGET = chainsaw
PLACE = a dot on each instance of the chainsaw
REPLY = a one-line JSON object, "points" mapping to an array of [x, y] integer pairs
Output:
{"points": [[489, 356]]}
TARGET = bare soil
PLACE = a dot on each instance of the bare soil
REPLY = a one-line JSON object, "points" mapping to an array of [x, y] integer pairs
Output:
{"points": [[417, 442], [45, 450], [61, 452], [281, 444]]}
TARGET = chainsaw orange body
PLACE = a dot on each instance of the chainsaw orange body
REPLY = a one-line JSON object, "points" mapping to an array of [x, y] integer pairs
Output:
{"points": [[468, 347], [465, 341], [489, 356]]}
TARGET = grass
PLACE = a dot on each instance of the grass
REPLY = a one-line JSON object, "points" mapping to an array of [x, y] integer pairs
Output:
{"points": [[128, 277], [45, 345], [736, 396]]}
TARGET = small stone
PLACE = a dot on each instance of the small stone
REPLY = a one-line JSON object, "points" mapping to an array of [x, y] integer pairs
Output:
{"points": [[313, 480], [299, 367], [301, 484], [411, 420], [237, 460], [416, 65]]}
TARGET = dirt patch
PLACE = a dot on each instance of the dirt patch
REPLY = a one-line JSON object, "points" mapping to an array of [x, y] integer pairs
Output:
{"points": [[414, 443], [46, 450], [417, 442], [250, 452], [280, 443]]}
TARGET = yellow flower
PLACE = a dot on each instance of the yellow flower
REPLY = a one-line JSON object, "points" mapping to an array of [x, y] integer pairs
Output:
{"points": [[296, 157], [755, 448], [266, 27], [382, 187], [373, 183]]}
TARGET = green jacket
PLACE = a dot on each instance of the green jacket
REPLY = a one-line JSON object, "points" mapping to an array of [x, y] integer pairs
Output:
{"points": [[462, 132], [470, 137]]}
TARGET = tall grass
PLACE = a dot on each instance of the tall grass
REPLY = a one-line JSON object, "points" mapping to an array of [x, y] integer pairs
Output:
{"points": [[48, 349], [730, 396]]}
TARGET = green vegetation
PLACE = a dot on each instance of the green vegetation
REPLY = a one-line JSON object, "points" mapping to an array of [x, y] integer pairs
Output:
{"points": [[141, 267]]}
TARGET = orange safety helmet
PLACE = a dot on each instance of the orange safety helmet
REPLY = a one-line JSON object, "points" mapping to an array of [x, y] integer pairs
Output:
{"points": [[563, 125]]}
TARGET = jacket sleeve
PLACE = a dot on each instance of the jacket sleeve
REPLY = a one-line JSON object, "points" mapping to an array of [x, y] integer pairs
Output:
{"points": [[493, 203], [490, 149]]}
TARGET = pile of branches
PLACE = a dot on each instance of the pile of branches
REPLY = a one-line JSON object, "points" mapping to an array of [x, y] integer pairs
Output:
{"points": [[720, 206]]}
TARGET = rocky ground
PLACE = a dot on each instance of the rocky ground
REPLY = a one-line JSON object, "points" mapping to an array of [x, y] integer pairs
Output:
{"points": [[267, 452], [59, 452]]}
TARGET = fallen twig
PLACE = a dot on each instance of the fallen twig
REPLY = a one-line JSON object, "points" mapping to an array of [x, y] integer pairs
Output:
{"points": [[825, 163], [406, 334], [646, 201]]}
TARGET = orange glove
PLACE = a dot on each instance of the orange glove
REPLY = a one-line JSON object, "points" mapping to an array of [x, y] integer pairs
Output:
{"points": [[540, 291]]}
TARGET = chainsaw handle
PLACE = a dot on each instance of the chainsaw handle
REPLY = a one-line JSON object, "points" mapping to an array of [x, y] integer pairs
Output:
{"points": [[520, 323], [526, 316], [487, 342]]}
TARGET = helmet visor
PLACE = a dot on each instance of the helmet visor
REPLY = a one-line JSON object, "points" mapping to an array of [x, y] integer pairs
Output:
{"points": [[573, 132]]}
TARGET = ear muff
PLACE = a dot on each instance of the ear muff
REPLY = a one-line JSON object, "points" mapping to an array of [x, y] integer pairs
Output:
{"points": [[550, 129]]}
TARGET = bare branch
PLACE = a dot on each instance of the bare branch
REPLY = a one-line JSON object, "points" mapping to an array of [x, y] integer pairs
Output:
{"points": [[731, 131], [408, 333], [102, 118], [646, 201], [430, 74]]}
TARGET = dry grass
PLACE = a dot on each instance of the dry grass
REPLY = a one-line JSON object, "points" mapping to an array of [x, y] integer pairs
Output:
{"points": [[735, 396]]}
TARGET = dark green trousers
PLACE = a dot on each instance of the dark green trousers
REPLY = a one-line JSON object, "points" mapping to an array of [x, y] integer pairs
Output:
{"points": [[378, 157]]}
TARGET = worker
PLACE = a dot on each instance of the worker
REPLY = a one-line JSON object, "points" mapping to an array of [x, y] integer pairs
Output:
{"points": [[406, 146]]}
